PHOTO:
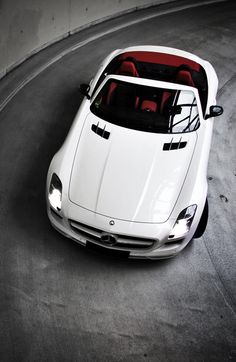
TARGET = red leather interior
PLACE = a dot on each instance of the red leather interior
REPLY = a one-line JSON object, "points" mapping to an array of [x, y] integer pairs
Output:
{"points": [[184, 77], [128, 68], [161, 58], [111, 91], [149, 106], [165, 97]]}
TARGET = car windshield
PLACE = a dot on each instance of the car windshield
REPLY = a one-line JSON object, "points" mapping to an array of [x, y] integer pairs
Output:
{"points": [[146, 108]]}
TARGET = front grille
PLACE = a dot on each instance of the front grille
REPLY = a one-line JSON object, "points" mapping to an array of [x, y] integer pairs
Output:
{"points": [[114, 241]]}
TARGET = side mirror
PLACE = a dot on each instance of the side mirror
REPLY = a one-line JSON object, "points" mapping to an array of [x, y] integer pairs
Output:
{"points": [[84, 89], [215, 111]]}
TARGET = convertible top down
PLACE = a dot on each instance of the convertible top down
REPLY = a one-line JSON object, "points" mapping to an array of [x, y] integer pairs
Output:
{"points": [[131, 175]]}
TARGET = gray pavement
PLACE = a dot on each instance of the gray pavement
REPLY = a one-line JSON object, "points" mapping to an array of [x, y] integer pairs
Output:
{"points": [[62, 302]]}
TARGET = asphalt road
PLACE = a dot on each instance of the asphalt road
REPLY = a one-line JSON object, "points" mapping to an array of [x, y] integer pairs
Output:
{"points": [[62, 302]]}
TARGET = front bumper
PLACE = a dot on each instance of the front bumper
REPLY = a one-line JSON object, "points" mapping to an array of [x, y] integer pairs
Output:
{"points": [[138, 240]]}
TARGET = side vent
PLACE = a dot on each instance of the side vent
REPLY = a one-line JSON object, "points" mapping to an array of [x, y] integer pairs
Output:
{"points": [[100, 131], [174, 145]]}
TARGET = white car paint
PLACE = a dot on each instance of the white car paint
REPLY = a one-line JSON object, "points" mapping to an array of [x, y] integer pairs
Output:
{"points": [[129, 179], [109, 173]]}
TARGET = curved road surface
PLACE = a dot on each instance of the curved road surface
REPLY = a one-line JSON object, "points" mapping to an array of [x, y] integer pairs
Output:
{"points": [[62, 302]]}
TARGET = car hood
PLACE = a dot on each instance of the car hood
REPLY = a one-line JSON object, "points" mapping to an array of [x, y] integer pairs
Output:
{"points": [[129, 176]]}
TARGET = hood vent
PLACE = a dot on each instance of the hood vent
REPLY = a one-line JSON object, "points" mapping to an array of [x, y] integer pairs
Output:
{"points": [[100, 131], [174, 145]]}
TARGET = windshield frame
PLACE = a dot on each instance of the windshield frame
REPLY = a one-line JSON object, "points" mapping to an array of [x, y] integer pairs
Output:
{"points": [[152, 83]]}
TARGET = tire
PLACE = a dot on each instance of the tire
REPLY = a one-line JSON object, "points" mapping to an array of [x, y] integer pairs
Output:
{"points": [[202, 223]]}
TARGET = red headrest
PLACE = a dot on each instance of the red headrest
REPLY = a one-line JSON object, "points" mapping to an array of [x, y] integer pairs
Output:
{"points": [[149, 106], [184, 77], [128, 68]]}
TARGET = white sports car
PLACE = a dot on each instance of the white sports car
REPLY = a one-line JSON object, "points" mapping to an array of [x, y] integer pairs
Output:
{"points": [[131, 175]]}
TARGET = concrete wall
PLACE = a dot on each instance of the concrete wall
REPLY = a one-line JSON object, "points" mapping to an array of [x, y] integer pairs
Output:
{"points": [[27, 26]]}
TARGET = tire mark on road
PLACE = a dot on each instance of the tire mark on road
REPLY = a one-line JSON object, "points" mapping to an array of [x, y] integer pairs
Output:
{"points": [[226, 84], [228, 297]]}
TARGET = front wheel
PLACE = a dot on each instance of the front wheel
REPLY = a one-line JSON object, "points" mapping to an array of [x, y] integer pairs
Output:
{"points": [[202, 223]]}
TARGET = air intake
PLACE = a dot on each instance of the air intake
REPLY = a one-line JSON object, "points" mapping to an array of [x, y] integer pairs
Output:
{"points": [[174, 145], [100, 131]]}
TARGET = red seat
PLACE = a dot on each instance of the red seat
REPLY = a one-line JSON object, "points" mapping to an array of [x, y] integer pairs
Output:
{"points": [[149, 106], [120, 95], [111, 90], [184, 77], [128, 68], [164, 100]]}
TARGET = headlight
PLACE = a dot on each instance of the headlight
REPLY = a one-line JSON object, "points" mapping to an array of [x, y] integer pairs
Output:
{"points": [[55, 191], [183, 223]]}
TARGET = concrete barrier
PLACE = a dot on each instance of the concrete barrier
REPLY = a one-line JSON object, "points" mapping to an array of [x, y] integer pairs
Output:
{"points": [[28, 26]]}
